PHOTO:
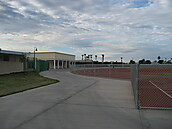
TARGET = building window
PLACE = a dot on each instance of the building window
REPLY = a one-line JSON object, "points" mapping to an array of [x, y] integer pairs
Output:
{"points": [[1, 58], [6, 58]]}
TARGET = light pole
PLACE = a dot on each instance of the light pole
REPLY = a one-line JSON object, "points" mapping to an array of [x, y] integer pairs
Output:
{"points": [[121, 59], [35, 49]]}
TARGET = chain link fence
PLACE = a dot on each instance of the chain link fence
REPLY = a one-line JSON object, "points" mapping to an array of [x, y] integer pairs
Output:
{"points": [[104, 70], [152, 84], [155, 86]]}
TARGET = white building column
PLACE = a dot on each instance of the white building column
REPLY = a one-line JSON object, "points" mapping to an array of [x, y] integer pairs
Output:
{"points": [[54, 64], [62, 64], [58, 64], [66, 64]]}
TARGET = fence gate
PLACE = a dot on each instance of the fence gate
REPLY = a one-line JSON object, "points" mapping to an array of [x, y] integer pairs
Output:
{"points": [[42, 65]]}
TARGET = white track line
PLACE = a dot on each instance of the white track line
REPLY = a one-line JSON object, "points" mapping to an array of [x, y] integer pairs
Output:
{"points": [[160, 89]]}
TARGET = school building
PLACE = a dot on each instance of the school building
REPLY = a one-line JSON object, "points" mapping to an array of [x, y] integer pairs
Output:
{"points": [[57, 60], [11, 61]]}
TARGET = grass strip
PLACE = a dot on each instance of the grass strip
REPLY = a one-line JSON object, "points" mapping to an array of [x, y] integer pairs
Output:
{"points": [[18, 82], [158, 73]]}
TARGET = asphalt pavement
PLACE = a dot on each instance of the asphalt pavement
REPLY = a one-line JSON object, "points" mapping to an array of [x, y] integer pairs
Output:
{"points": [[79, 102]]}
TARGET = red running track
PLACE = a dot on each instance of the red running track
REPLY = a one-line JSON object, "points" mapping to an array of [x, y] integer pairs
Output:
{"points": [[154, 90], [117, 73]]}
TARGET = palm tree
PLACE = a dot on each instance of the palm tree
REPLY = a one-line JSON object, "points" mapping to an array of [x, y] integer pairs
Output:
{"points": [[103, 58], [96, 57], [85, 56], [121, 59], [91, 57]]}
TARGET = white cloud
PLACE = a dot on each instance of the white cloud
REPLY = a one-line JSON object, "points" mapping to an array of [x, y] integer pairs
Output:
{"points": [[114, 27]]}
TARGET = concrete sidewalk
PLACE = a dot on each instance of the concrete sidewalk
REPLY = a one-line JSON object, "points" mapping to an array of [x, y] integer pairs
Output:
{"points": [[79, 102]]}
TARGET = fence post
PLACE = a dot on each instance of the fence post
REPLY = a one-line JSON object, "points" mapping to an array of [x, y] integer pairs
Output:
{"points": [[137, 86], [109, 72]]}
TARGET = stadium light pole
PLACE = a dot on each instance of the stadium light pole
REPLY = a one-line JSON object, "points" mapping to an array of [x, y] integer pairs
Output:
{"points": [[35, 49]]}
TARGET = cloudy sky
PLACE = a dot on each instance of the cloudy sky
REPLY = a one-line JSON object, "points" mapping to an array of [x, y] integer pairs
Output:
{"points": [[132, 29]]}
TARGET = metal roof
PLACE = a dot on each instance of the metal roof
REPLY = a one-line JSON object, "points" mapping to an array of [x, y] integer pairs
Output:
{"points": [[53, 53], [12, 52]]}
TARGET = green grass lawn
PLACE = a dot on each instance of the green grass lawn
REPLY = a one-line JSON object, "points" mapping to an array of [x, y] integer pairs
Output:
{"points": [[17, 82], [159, 73]]}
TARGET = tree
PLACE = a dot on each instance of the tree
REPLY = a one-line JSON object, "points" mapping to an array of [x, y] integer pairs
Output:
{"points": [[159, 57], [142, 61], [132, 62], [147, 62], [103, 58], [91, 56], [121, 59], [168, 62], [88, 57], [96, 57], [85, 56], [160, 61]]}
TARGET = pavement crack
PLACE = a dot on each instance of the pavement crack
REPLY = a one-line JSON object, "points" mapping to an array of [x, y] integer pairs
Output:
{"points": [[141, 120], [59, 102]]}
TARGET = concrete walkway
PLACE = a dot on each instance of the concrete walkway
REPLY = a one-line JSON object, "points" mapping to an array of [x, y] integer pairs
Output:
{"points": [[79, 102]]}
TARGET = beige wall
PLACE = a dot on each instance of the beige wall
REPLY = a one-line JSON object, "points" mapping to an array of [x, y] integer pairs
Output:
{"points": [[53, 56], [65, 57], [14, 65], [56, 60], [10, 67], [44, 56]]}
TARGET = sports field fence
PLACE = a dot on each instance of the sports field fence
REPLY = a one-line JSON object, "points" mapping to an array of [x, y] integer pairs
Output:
{"points": [[152, 84]]}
